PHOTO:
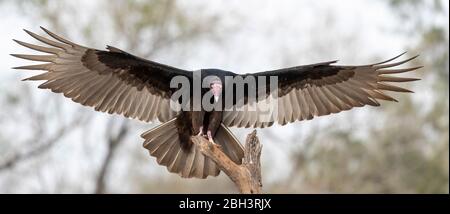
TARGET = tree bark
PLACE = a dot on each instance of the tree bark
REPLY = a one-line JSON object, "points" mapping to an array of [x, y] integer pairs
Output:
{"points": [[247, 176]]}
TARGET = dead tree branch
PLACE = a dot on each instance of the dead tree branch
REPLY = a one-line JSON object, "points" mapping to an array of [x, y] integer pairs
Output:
{"points": [[246, 176], [43, 145], [114, 139]]}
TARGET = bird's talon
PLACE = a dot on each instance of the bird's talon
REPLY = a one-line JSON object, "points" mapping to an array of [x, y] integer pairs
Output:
{"points": [[209, 135], [200, 133]]}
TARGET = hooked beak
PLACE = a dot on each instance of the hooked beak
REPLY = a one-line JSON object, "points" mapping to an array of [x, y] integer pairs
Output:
{"points": [[216, 90]]}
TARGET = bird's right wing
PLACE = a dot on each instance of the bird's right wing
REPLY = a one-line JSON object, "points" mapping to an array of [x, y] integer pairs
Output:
{"points": [[111, 81]]}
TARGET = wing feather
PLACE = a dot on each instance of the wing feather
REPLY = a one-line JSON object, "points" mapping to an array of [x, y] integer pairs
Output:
{"points": [[319, 89], [110, 81]]}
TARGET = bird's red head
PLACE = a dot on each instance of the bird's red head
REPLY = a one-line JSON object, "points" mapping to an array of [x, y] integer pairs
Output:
{"points": [[216, 89]]}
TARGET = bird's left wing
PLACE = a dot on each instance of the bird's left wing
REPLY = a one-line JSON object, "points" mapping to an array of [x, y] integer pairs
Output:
{"points": [[111, 81], [308, 91]]}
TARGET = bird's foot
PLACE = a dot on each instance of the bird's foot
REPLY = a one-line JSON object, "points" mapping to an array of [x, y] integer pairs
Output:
{"points": [[211, 140], [200, 133]]}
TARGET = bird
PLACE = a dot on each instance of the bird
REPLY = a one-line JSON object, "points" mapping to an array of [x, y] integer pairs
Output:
{"points": [[117, 82]]}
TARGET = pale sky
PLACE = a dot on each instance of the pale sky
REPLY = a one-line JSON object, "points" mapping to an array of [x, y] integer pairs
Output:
{"points": [[270, 34]]}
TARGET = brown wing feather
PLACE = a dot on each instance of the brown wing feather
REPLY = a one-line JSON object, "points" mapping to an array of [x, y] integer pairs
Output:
{"points": [[110, 81], [305, 92]]}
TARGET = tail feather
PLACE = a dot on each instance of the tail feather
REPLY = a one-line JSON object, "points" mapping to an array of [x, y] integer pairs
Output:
{"points": [[189, 163], [210, 167], [198, 165], [169, 156], [177, 165], [164, 144], [229, 143], [163, 148]]}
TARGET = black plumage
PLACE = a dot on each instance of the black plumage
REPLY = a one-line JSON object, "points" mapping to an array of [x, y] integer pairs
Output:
{"points": [[115, 81]]}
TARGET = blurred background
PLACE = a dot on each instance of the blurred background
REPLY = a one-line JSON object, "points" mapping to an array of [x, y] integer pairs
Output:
{"points": [[48, 144]]}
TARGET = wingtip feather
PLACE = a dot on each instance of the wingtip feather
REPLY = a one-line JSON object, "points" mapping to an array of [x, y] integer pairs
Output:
{"points": [[391, 59], [28, 32], [384, 65]]}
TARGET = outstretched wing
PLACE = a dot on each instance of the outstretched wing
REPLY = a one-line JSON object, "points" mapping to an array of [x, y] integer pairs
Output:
{"points": [[111, 81], [305, 92]]}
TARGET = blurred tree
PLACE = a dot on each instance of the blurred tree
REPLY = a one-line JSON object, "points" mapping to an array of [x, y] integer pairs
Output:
{"points": [[146, 28], [407, 147]]}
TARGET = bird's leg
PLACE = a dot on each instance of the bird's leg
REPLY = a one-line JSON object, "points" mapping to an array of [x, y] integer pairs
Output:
{"points": [[211, 140], [200, 133], [208, 133]]}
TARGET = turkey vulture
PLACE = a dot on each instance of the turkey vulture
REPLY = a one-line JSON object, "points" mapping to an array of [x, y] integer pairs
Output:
{"points": [[115, 81]]}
